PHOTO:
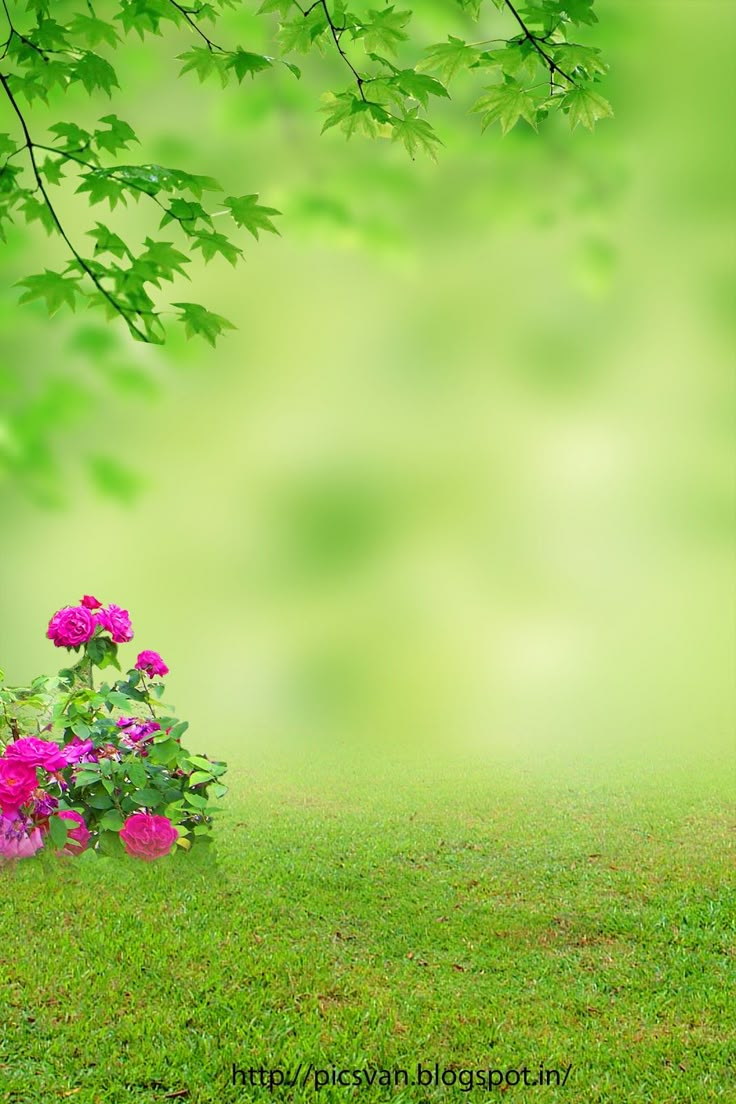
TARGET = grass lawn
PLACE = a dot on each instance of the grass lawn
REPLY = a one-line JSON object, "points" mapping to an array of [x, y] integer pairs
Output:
{"points": [[375, 915]]}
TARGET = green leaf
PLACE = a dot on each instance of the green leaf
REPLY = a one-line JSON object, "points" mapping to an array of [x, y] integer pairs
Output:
{"points": [[518, 59], [94, 72], [205, 62], [73, 138], [101, 186], [354, 115], [384, 30], [147, 797], [56, 290], [419, 86], [199, 761], [210, 243], [506, 104], [283, 7], [59, 830], [112, 821], [7, 145], [111, 844], [415, 134], [48, 34], [100, 801], [161, 261], [200, 776], [580, 11], [244, 63], [35, 210], [248, 213], [300, 34], [197, 801], [118, 136], [146, 16], [164, 753], [186, 214], [93, 30], [584, 59], [108, 242], [585, 106], [52, 170], [137, 773], [86, 777], [448, 58], [199, 321]]}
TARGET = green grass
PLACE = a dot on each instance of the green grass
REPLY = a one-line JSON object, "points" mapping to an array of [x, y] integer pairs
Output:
{"points": [[380, 914]]}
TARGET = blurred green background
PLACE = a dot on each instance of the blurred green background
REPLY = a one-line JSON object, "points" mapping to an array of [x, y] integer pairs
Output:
{"points": [[464, 475]]}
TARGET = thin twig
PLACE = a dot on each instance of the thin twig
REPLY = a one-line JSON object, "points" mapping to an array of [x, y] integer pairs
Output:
{"points": [[551, 63], [187, 13]]}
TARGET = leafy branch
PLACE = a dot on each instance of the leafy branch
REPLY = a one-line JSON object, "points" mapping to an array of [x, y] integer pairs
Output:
{"points": [[51, 54], [53, 287], [387, 97]]}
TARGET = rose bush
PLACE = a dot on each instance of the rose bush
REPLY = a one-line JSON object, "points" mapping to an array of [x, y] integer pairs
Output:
{"points": [[90, 770]]}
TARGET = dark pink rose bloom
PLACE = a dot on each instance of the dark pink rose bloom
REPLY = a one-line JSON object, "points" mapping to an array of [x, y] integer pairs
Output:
{"points": [[41, 808], [71, 626], [44, 804], [148, 837], [17, 783], [77, 751], [16, 840], [90, 602], [78, 837], [152, 664], [116, 621], [36, 753], [135, 733]]}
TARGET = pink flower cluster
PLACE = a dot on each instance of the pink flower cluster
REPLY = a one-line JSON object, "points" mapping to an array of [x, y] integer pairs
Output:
{"points": [[26, 808], [28, 805], [73, 626], [18, 838]]}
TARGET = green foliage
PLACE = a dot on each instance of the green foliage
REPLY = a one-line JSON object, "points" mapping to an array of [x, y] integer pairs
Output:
{"points": [[52, 52]]}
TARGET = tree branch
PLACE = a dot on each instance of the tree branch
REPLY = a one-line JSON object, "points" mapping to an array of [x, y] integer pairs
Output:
{"points": [[360, 81], [84, 265], [551, 63], [187, 13]]}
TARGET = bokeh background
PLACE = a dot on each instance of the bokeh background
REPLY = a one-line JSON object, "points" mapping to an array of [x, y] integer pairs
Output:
{"points": [[464, 475]]}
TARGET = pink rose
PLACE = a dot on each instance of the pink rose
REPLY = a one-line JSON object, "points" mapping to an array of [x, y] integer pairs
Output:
{"points": [[152, 664], [90, 602], [78, 837], [16, 842], [71, 626], [116, 621], [79, 751], [17, 783], [36, 753], [148, 837]]}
